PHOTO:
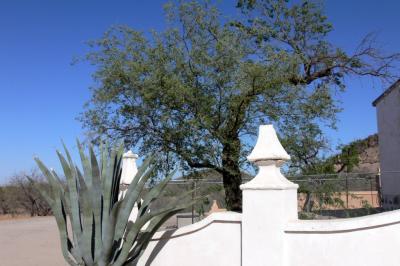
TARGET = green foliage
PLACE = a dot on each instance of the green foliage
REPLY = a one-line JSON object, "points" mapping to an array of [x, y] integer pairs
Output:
{"points": [[322, 193], [197, 90], [367, 206], [246, 3], [345, 160], [102, 233]]}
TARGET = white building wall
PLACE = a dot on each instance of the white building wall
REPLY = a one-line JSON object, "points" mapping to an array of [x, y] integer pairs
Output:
{"points": [[388, 114]]}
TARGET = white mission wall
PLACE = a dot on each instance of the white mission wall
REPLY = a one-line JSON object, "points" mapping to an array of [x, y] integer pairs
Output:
{"points": [[268, 233], [214, 241], [368, 241]]}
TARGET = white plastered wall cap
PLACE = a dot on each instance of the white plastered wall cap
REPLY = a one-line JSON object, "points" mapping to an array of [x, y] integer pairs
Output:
{"points": [[268, 146], [129, 168]]}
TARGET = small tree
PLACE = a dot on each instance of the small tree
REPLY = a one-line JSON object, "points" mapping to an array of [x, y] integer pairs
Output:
{"points": [[322, 192], [26, 197], [5, 206]]}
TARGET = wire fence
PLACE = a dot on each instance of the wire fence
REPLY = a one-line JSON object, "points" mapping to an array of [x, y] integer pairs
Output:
{"points": [[319, 196], [338, 195]]}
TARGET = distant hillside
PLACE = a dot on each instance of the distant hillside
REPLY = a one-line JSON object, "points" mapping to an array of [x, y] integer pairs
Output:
{"points": [[368, 150]]}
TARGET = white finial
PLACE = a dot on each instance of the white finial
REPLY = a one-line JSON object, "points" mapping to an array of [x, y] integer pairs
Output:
{"points": [[130, 154], [129, 168], [269, 155], [268, 146]]}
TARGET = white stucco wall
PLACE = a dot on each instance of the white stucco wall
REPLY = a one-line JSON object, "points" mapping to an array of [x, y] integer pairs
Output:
{"points": [[214, 241], [268, 232], [368, 241], [388, 115], [217, 241]]}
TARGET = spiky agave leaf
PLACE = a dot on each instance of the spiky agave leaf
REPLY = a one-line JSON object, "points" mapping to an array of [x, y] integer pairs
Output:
{"points": [[73, 199], [133, 231], [132, 196], [58, 209], [101, 231]]}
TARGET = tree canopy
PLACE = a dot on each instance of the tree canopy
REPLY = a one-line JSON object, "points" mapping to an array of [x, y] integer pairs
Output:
{"points": [[197, 92]]}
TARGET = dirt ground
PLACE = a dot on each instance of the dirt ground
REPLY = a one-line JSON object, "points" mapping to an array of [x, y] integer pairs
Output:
{"points": [[26, 241], [30, 241], [33, 241]]}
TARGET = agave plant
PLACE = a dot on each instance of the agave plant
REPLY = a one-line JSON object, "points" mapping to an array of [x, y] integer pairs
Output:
{"points": [[100, 232]]}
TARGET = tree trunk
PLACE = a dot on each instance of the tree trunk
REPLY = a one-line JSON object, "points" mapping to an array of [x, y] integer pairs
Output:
{"points": [[33, 208], [308, 204], [231, 175]]}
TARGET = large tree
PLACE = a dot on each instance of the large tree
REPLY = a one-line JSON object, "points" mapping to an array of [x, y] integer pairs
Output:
{"points": [[196, 92]]}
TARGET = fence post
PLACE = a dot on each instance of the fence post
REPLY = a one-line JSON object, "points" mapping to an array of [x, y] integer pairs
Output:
{"points": [[269, 202], [347, 191], [379, 187], [193, 196]]}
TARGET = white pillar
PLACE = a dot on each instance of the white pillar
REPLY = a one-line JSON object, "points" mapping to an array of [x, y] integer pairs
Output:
{"points": [[269, 202], [129, 167], [129, 170]]}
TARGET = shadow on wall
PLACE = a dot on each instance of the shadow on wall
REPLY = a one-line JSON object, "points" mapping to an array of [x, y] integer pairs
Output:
{"points": [[160, 244]]}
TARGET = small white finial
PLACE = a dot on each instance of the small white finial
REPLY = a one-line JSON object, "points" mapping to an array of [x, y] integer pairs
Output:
{"points": [[129, 168], [268, 154], [130, 154], [268, 146]]}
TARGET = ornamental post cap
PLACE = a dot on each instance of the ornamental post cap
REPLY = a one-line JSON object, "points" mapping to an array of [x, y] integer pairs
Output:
{"points": [[130, 154], [268, 147]]}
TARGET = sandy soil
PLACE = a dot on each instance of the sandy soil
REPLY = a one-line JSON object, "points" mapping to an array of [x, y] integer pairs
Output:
{"points": [[30, 241], [15, 217], [34, 241]]}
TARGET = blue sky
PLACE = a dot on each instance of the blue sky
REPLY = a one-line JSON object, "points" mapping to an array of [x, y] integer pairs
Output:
{"points": [[41, 93]]}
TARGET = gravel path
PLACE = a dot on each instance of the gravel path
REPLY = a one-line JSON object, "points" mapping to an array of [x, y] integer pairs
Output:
{"points": [[32, 241]]}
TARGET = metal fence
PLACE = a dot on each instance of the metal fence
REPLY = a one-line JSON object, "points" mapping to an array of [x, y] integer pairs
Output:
{"points": [[338, 195], [320, 196]]}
